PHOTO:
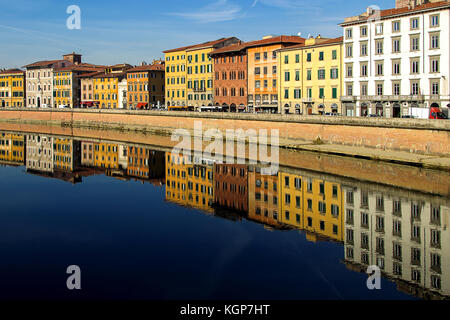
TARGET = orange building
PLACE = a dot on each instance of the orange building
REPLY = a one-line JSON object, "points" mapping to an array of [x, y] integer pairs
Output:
{"points": [[263, 71], [146, 86]]}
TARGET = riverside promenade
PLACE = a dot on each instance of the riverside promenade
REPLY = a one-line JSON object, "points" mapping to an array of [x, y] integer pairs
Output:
{"points": [[423, 143]]}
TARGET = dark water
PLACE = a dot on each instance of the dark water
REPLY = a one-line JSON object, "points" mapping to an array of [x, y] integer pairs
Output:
{"points": [[140, 226]]}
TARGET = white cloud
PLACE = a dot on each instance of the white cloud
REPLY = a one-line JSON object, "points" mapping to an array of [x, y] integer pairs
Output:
{"points": [[221, 10]]}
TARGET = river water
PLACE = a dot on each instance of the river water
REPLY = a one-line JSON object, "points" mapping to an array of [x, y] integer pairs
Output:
{"points": [[141, 223]]}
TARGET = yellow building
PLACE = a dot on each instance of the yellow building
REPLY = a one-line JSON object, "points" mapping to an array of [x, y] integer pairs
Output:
{"points": [[66, 84], [189, 184], [12, 88], [12, 148], [106, 155], [106, 86], [310, 78], [189, 74]]}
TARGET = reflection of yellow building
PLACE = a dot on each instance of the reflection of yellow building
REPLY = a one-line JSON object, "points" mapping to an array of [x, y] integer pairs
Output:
{"points": [[189, 184], [12, 148], [65, 154], [106, 155], [263, 197], [12, 88], [322, 203], [291, 200]]}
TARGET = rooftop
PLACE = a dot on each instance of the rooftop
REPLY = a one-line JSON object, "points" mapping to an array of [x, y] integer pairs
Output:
{"points": [[12, 71], [197, 46], [396, 11]]}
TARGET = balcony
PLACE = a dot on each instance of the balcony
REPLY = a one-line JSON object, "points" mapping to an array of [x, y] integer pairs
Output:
{"points": [[307, 100], [199, 89], [395, 98], [348, 98]]}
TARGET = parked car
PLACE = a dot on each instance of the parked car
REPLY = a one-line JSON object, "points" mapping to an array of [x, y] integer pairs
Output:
{"points": [[63, 106], [374, 116], [408, 117]]}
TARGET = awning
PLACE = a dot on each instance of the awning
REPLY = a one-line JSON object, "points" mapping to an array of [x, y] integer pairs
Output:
{"points": [[141, 105]]}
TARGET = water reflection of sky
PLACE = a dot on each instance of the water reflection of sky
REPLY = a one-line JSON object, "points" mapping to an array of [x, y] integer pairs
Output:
{"points": [[132, 244]]}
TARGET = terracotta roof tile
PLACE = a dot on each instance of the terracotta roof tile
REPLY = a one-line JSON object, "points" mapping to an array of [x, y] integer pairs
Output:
{"points": [[12, 71], [43, 63], [326, 41], [152, 67], [200, 45]]}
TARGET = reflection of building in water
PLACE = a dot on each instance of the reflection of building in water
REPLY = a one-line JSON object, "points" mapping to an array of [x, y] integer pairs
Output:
{"points": [[145, 164], [322, 207], [123, 157], [12, 148], [409, 239], [39, 153], [66, 154], [87, 154], [231, 189], [263, 197], [189, 184], [106, 155]]}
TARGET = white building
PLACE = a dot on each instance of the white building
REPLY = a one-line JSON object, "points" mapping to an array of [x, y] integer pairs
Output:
{"points": [[406, 236], [122, 94], [396, 61]]}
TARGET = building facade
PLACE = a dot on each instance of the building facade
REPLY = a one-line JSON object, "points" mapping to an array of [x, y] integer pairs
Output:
{"points": [[310, 77], [106, 87], [12, 88], [405, 235], [39, 80], [263, 71], [146, 86], [231, 190], [67, 84], [230, 77], [397, 61], [189, 74]]}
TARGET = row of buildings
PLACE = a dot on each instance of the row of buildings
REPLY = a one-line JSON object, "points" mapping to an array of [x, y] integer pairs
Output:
{"points": [[71, 83], [390, 63], [405, 234]]}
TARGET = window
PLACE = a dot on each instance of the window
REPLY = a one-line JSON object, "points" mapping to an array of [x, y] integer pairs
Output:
{"points": [[308, 75], [379, 46], [349, 33], [364, 67], [349, 89], [286, 59], [396, 88], [349, 68], [364, 86], [396, 67], [396, 45], [396, 26], [363, 31], [434, 21], [287, 75], [257, 56], [415, 66], [297, 58], [379, 29], [379, 68], [363, 48], [349, 50], [334, 54], [321, 56], [415, 43], [434, 41], [414, 23], [435, 87], [434, 64], [321, 74], [334, 73], [379, 88]]}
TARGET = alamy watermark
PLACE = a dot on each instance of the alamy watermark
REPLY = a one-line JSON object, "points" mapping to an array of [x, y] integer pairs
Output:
{"points": [[229, 147], [74, 20], [74, 280], [374, 280]]}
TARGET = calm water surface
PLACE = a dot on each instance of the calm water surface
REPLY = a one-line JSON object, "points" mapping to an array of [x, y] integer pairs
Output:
{"points": [[143, 225]]}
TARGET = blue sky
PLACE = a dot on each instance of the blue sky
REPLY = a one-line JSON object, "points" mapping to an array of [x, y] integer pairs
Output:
{"points": [[132, 31]]}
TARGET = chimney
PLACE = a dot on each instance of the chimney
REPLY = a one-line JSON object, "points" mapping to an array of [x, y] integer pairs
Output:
{"points": [[73, 57]]}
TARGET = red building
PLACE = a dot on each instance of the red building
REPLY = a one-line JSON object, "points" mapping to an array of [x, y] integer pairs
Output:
{"points": [[230, 78], [231, 189]]}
